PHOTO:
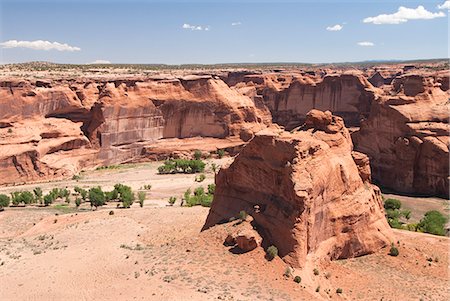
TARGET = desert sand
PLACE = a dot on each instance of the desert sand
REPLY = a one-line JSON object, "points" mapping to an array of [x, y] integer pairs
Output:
{"points": [[158, 253]]}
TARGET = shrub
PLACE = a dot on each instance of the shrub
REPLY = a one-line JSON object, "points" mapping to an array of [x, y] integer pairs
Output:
{"points": [[111, 212], [27, 197], [214, 167], [96, 197], [127, 197], [15, 198], [4, 201], [433, 222], [187, 196], [243, 215], [181, 166], [392, 204], [318, 289], [316, 272], [297, 279], [77, 202], [147, 187], [393, 251], [82, 192], [220, 153], [211, 188], [48, 199], [141, 197], [200, 178], [38, 194], [271, 252], [339, 291], [172, 200], [197, 155], [10, 131], [199, 198]]}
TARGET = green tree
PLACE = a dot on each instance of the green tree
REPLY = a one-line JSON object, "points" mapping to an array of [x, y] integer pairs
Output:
{"points": [[38, 194], [197, 155], [433, 222], [141, 197], [96, 197], [4, 201]]}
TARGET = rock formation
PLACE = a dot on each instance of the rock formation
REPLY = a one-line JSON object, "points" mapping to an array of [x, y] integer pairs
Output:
{"points": [[305, 192], [290, 96], [108, 121], [407, 137]]}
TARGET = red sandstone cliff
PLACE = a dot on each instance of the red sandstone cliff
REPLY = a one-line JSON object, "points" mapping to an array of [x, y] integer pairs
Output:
{"points": [[88, 122], [305, 193]]}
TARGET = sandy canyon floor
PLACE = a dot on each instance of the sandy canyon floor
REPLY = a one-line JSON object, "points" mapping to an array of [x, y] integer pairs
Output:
{"points": [[158, 253]]}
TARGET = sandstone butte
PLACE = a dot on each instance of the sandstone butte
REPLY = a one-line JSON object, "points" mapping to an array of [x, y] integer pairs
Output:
{"points": [[52, 129], [306, 193]]}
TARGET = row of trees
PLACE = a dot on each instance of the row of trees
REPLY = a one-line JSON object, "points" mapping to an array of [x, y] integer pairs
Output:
{"points": [[173, 166], [95, 195], [433, 221]]}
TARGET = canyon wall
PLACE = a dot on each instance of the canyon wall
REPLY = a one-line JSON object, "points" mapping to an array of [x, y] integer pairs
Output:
{"points": [[289, 97], [52, 129], [407, 137]]}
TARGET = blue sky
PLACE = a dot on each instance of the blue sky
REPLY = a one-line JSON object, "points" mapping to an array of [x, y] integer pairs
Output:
{"points": [[263, 31]]}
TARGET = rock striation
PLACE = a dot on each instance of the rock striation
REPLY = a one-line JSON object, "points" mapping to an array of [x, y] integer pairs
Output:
{"points": [[407, 137], [92, 122], [290, 96], [305, 192]]}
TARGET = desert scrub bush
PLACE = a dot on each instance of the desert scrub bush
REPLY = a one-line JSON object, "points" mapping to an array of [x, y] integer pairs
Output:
{"points": [[141, 198], [316, 272], [24, 197], [147, 187], [181, 166], [433, 222], [80, 191], [48, 199], [243, 215], [77, 202], [172, 200], [271, 252], [96, 197], [214, 167], [38, 194], [392, 204], [76, 177], [339, 290], [220, 153], [318, 289], [197, 155], [297, 279], [200, 178], [199, 198], [4, 201], [394, 214], [393, 251], [211, 188], [125, 195]]}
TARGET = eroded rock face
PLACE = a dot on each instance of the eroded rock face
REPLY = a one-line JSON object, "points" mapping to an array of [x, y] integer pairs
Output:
{"points": [[305, 193], [112, 121], [407, 138], [290, 97]]}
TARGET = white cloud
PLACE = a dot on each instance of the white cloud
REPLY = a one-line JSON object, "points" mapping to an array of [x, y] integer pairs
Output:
{"points": [[39, 45], [100, 62], [403, 15], [194, 27], [336, 27], [236, 23], [445, 5], [366, 44]]}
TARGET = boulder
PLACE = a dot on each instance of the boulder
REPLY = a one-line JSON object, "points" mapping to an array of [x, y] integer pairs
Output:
{"points": [[305, 193]]}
